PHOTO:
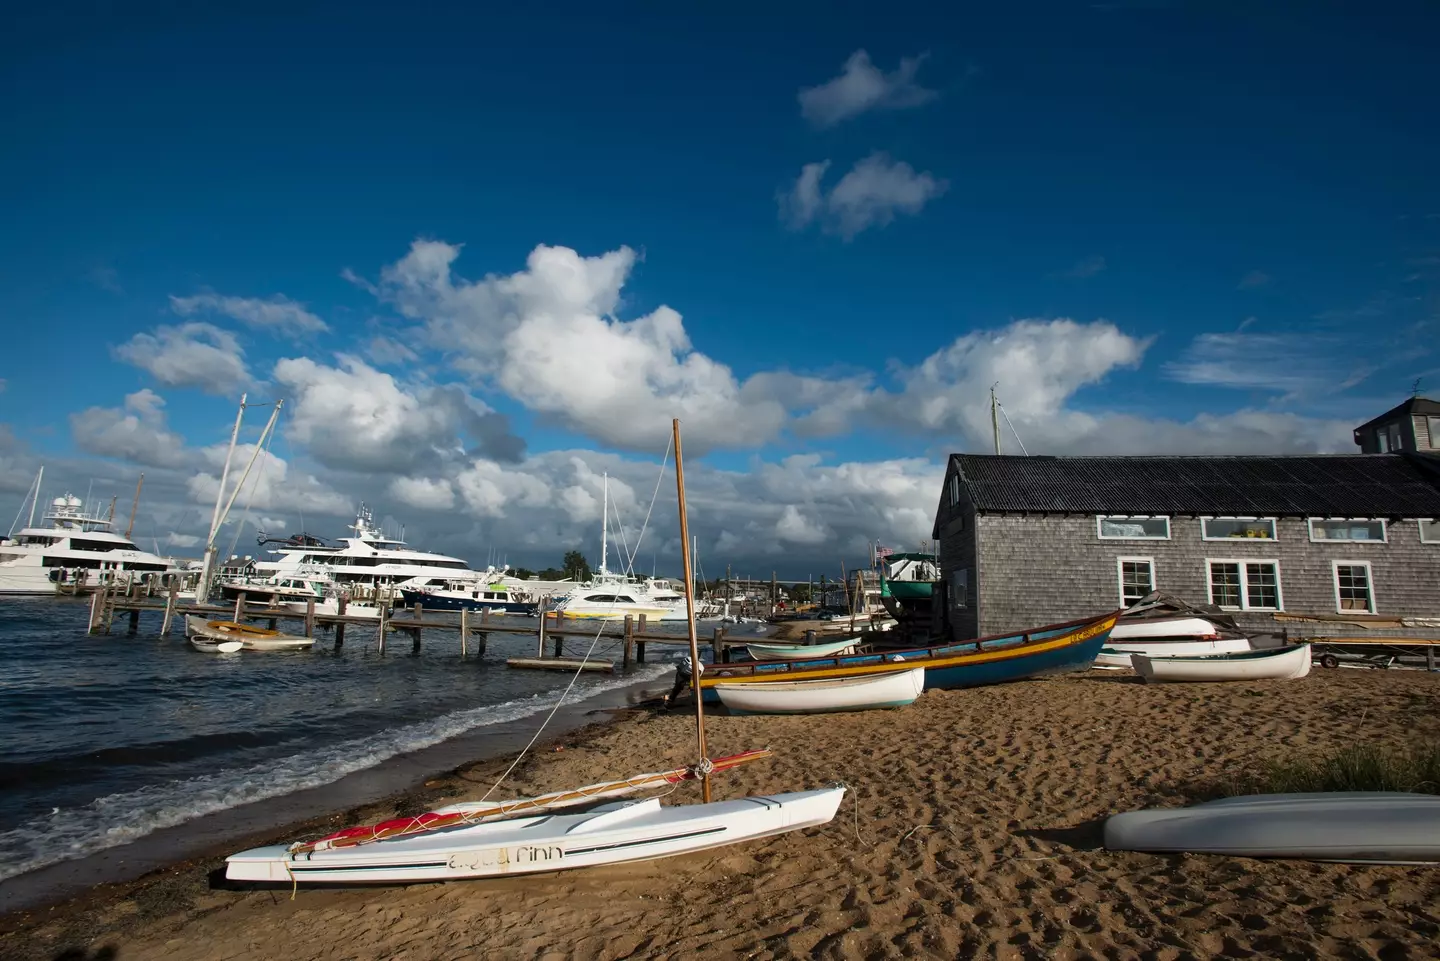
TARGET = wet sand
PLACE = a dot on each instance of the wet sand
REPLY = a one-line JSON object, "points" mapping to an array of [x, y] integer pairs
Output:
{"points": [[972, 829]]}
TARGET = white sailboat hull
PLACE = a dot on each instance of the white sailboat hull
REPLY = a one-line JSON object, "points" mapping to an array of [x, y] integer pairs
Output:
{"points": [[1286, 663], [1118, 655], [613, 833], [863, 693]]}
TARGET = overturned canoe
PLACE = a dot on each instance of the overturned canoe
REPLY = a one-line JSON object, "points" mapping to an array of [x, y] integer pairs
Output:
{"points": [[1360, 826], [1283, 663], [612, 833], [863, 693], [799, 652]]}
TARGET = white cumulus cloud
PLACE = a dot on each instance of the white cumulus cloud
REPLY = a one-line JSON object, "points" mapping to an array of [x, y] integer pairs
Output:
{"points": [[190, 355], [862, 86], [871, 194], [278, 313], [424, 493], [137, 432]]}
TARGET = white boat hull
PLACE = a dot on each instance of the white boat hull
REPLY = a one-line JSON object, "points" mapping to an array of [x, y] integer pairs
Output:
{"points": [[205, 638], [1155, 627], [1287, 663], [613, 833], [862, 693], [1117, 656], [1362, 826], [799, 652]]}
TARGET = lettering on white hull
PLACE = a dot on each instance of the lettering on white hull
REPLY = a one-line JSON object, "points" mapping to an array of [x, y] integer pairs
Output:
{"points": [[504, 858]]}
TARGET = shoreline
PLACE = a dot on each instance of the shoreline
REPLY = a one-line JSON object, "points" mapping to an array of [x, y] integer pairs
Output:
{"points": [[971, 828], [395, 780]]}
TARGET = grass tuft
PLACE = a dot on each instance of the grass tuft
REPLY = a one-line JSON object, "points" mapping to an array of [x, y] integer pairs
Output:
{"points": [[1363, 767]]}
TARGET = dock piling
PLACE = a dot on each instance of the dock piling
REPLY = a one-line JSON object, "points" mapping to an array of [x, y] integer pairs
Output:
{"points": [[239, 607], [384, 626], [482, 640], [96, 606], [464, 631], [340, 626], [640, 645], [172, 596], [134, 621], [719, 653], [415, 636], [309, 617], [540, 646], [629, 642]]}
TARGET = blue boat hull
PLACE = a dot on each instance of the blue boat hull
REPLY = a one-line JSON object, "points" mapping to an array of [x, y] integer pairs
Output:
{"points": [[1077, 657], [432, 602]]}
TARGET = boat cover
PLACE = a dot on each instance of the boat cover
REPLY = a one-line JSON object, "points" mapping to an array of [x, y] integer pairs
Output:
{"points": [[1159, 604]]}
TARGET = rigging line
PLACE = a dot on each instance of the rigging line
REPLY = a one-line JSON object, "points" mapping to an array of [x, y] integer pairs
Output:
{"points": [[1012, 429], [669, 446], [600, 630]]}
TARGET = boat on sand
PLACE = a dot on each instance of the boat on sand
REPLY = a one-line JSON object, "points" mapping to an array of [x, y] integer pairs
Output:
{"points": [[799, 652], [864, 693], [1283, 663]]}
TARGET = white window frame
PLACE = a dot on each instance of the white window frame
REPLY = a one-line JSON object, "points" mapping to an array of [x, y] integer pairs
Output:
{"points": [[1335, 566], [1421, 525], [1384, 529], [1120, 563], [1245, 583], [954, 490], [1274, 529], [1100, 520]]}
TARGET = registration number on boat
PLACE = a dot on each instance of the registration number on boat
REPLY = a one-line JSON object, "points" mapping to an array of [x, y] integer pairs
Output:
{"points": [[503, 858]]}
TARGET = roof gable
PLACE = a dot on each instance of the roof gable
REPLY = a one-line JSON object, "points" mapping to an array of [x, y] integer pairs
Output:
{"points": [[1413, 405], [1321, 485]]}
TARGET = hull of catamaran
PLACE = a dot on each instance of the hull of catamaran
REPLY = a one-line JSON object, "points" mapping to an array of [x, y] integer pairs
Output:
{"points": [[610, 834]]}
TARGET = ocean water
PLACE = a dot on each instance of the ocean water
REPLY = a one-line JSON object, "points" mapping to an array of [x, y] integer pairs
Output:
{"points": [[104, 740]]}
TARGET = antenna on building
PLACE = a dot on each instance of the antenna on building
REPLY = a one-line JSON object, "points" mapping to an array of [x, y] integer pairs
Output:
{"points": [[1415, 387], [994, 417]]}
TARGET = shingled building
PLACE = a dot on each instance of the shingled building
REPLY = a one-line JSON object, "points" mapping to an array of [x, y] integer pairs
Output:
{"points": [[1035, 540]]}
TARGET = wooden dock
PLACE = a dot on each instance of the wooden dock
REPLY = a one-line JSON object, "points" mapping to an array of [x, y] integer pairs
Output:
{"points": [[474, 627]]}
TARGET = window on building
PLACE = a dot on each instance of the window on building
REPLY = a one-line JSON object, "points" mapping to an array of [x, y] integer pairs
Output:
{"points": [[1137, 578], [1333, 530], [954, 489], [1433, 423], [1227, 528], [1245, 585], [1430, 531], [960, 588], [1124, 527], [1392, 438], [1352, 587]]}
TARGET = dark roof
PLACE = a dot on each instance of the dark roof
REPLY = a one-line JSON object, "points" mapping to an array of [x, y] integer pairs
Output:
{"points": [[1321, 485], [1415, 405]]}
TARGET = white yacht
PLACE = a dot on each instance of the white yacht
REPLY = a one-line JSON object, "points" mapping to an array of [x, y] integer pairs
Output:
{"points": [[76, 550], [368, 569]]}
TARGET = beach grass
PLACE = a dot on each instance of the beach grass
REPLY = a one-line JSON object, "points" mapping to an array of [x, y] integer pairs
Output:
{"points": [[1359, 767]]}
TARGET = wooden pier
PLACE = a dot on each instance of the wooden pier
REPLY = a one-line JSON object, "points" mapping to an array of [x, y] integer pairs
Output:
{"points": [[474, 627]]}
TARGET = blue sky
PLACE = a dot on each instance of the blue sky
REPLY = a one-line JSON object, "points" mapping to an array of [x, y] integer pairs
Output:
{"points": [[1160, 227]]}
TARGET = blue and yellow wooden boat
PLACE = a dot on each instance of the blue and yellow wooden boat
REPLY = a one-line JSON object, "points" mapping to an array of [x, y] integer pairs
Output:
{"points": [[1053, 649]]}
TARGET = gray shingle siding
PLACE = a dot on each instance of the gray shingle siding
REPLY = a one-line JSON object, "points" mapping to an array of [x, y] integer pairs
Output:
{"points": [[1032, 569]]}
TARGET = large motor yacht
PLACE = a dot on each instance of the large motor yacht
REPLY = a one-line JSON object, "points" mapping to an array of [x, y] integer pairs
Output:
{"points": [[77, 550]]}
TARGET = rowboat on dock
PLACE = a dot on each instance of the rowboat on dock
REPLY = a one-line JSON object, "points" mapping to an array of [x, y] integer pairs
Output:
{"points": [[211, 636], [863, 693], [1053, 649], [1284, 663]]}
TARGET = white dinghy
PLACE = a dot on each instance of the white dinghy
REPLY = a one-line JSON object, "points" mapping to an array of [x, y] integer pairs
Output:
{"points": [[477, 840], [1284, 663], [222, 635], [799, 652], [1360, 826], [1117, 656], [862, 693]]}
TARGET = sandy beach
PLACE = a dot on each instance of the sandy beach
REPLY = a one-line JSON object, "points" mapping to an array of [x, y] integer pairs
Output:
{"points": [[972, 829]]}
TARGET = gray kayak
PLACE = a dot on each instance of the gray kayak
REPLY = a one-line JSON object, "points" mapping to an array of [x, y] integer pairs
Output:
{"points": [[1361, 826]]}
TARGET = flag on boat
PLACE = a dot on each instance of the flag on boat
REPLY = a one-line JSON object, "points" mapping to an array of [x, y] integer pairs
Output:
{"points": [[882, 552]]}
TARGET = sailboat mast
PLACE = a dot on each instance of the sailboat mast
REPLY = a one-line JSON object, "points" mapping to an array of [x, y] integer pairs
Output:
{"points": [[605, 524], [690, 614], [994, 418], [39, 479], [134, 505]]}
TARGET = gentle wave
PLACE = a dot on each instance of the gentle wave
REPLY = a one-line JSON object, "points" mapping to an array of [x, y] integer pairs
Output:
{"points": [[66, 834]]}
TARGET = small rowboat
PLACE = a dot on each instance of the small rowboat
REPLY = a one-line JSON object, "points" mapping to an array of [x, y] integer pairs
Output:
{"points": [[864, 693], [799, 652], [1285, 663], [1118, 655], [211, 636]]}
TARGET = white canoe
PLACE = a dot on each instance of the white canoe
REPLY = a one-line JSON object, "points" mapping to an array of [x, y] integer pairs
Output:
{"points": [[613, 833], [1284, 663], [799, 652], [1360, 826], [1118, 655], [209, 635], [862, 693], [1195, 627]]}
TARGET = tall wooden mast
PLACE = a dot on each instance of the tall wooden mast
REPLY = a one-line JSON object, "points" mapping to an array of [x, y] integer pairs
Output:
{"points": [[690, 613]]}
